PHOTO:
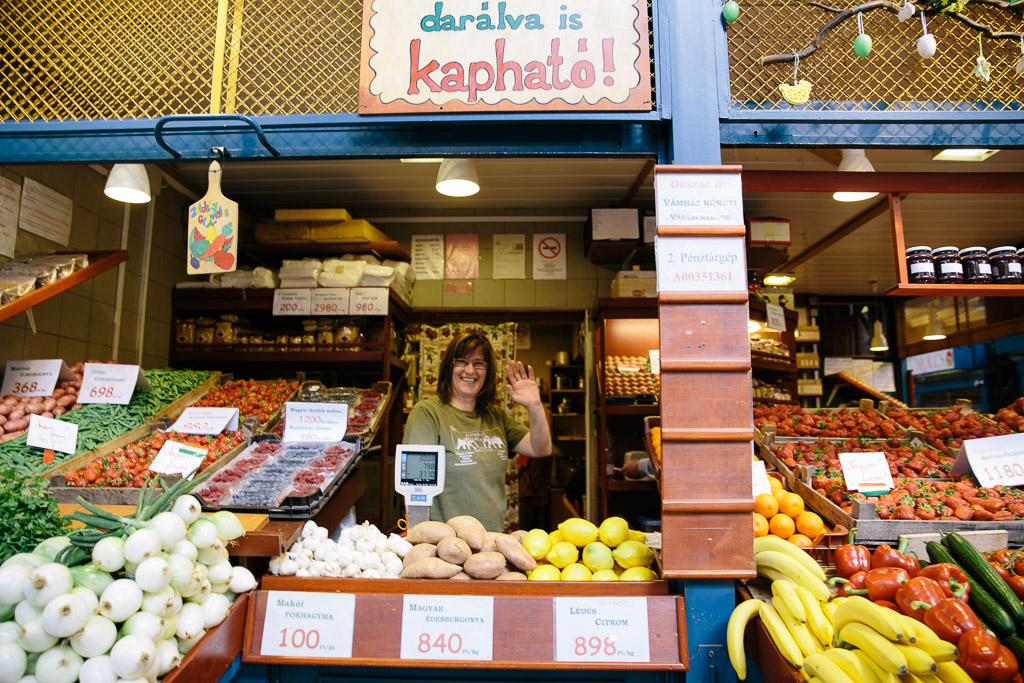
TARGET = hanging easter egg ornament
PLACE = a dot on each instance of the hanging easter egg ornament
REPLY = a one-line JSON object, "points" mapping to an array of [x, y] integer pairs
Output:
{"points": [[906, 11], [730, 11], [926, 44], [798, 93], [982, 69], [862, 43]]}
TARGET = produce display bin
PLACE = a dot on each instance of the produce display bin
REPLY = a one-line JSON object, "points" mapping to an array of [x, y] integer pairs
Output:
{"points": [[214, 653]]}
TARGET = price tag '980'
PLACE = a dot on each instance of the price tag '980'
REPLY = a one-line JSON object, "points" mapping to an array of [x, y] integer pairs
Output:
{"points": [[601, 630], [369, 301]]}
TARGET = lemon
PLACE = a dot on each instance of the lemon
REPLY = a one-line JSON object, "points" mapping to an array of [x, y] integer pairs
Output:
{"points": [[575, 572], [638, 574], [562, 554], [544, 572], [597, 556], [578, 531], [613, 531], [555, 536], [633, 554], [537, 543], [605, 575], [635, 535]]}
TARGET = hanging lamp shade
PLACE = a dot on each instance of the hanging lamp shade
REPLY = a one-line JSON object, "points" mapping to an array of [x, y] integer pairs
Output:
{"points": [[878, 340], [457, 178], [934, 330], [854, 160], [128, 183]]}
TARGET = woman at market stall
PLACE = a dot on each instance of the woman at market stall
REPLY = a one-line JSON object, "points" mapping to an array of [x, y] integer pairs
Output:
{"points": [[476, 434]]}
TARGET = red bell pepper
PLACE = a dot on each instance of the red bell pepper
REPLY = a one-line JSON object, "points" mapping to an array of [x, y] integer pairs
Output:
{"points": [[918, 589], [887, 556], [850, 558], [949, 618], [984, 659], [955, 583], [853, 583], [889, 604], [882, 583]]}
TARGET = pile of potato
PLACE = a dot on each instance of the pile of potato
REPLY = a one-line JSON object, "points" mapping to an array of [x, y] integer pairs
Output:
{"points": [[463, 549]]}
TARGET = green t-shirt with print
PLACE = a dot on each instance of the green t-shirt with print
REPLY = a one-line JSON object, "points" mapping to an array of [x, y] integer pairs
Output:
{"points": [[476, 448]]}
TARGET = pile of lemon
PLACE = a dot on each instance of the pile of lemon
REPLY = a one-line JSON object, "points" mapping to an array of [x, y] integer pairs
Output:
{"points": [[781, 513], [580, 551]]}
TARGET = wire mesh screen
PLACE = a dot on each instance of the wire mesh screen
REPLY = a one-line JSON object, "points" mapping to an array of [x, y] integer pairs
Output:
{"points": [[892, 78], [946, 314], [89, 59]]}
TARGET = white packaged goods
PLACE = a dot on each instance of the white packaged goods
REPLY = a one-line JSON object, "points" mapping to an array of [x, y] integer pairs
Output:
{"points": [[369, 258], [403, 270], [249, 279], [304, 268], [377, 276], [298, 282]]}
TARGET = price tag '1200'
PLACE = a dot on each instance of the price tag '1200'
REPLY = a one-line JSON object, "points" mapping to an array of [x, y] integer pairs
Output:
{"points": [[318, 422], [299, 624]]}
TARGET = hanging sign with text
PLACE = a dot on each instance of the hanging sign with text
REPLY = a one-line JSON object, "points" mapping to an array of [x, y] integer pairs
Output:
{"points": [[300, 624], [601, 630], [701, 264], [691, 199], [34, 377], [776, 317], [447, 627], [110, 383], [430, 56]]}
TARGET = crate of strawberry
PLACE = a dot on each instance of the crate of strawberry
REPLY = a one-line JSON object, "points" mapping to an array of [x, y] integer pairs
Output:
{"points": [[827, 423], [1012, 416], [253, 398], [946, 429]]}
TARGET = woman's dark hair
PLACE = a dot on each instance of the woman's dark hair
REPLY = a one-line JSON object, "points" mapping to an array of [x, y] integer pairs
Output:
{"points": [[463, 344]]}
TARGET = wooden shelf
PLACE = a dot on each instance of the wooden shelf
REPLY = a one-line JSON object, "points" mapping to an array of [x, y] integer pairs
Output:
{"points": [[955, 290], [569, 438], [762, 363], [225, 299], [383, 250], [310, 357], [99, 261]]}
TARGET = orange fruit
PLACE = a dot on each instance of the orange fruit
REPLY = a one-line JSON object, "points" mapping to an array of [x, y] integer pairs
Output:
{"points": [[809, 524], [782, 526], [801, 541], [791, 504], [775, 484], [765, 504], [760, 525]]}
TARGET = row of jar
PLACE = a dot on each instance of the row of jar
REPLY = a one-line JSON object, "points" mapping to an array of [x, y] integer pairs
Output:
{"points": [[970, 266]]}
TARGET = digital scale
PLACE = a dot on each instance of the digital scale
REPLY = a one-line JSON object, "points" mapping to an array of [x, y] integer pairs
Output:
{"points": [[419, 476]]}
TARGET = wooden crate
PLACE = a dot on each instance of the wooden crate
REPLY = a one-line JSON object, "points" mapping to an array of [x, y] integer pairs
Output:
{"points": [[216, 651], [174, 408]]}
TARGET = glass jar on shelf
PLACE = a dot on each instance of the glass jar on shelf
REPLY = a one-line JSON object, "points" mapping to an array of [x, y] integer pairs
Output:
{"points": [[920, 265], [948, 269], [977, 270], [1006, 268]]}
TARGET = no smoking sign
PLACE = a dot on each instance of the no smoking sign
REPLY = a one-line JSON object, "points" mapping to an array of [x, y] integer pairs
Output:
{"points": [[549, 257]]}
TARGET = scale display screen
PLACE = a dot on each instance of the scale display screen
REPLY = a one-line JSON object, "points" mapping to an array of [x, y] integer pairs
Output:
{"points": [[419, 468]]}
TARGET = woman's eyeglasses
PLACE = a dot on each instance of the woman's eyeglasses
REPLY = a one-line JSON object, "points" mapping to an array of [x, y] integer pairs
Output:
{"points": [[463, 363]]}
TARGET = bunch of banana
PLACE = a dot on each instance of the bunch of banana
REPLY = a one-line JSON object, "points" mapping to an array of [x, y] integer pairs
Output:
{"points": [[778, 559]]}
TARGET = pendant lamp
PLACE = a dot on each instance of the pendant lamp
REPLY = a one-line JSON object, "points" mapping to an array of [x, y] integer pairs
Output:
{"points": [[457, 178], [934, 331], [878, 340], [854, 160], [128, 183]]}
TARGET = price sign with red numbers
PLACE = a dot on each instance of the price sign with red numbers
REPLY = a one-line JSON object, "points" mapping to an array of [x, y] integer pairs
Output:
{"points": [[447, 627], [34, 377], [995, 460], [330, 301], [110, 383], [368, 301], [601, 630], [56, 435], [178, 458], [291, 302], [300, 624], [317, 422], [206, 421]]}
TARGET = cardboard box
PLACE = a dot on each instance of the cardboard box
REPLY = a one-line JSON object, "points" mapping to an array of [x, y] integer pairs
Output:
{"points": [[635, 284], [312, 215], [615, 224], [282, 232], [356, 232]]}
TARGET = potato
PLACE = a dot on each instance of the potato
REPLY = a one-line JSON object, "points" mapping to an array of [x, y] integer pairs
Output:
{"points": [[512, 576], [519, 535], [429, 532], [489, 545], [469, 529], [513, 550], [430, 568], [419, 552], [487, 565], [453, 549], [461, 576]]}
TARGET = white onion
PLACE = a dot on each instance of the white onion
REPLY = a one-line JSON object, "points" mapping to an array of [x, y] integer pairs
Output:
{"points": [[219, 572], [132, 656], [220, 588], [153, 672], [186, 549], [13, 662], [205, 590], [213, 553], [186, 644], [145, 624], [91, 600], [27, 559], [51, 546], [160, 602], [12, 582], [95, 638], [65, 615], [120, 600], [242, 580], [202, 533], [215, 609], [190, 621], [153, 574], [170, 527], [9, 631], [34, 638], [59, 665], [229, 527], [169, 656], [108, 554], [141, 544], [28, 678], [47, 582], [25, 610], [188, 508], [97, 670], [170, 626]]}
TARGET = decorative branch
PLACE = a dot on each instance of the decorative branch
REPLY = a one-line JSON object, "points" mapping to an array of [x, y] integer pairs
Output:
{"points": [[844, 14]]}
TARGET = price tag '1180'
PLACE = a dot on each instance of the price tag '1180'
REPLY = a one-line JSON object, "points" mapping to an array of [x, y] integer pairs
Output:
{"points": [[996, 460], [299, 624], [447, 627], [601, 630]]}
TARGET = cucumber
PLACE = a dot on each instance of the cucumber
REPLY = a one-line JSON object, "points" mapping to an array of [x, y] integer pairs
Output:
{"points": [[978, 567], [988, 610], [1016, 646]]}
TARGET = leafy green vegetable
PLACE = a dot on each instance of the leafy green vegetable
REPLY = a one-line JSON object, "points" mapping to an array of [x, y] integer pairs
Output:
{"points": [[28, 513]]}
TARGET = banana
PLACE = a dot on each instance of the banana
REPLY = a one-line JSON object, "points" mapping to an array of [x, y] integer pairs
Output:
{"points": [[864, 611], [851, 665], [829, 610], [918, 661], [819, 624], [782, 591], [787, 548], [912, 628], [839, 600], [877, 646], [939, 650], [875, 668], [773, 559], [827, 670], [743, 613], [951, 672], [780, 635], [919, 678], [804, 640]]}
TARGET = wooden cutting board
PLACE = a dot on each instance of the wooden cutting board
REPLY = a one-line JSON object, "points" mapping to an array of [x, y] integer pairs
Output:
{"points": [[213, 230]]}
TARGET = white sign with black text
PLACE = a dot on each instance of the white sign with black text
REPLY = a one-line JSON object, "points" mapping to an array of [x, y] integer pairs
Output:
{"points": [[34, 377], [447, 627], [701, 264], [300, 624], [866, 471], [110, 383], [56, 435], [316, 422], [601, 630], [995, 460], [205, 421]]}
